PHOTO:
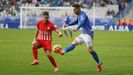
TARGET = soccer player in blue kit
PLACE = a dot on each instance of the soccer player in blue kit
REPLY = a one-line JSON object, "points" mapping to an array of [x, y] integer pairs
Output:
{"points": [[85, 37]]}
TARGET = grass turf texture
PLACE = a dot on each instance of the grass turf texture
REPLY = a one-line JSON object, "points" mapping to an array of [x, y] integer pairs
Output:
{"points": [[115, 49]]}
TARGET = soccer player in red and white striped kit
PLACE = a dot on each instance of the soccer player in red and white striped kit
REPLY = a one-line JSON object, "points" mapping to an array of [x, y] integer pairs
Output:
{"points": [[43, 39]]}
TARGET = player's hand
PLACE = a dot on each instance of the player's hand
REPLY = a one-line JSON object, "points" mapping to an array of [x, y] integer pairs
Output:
{"points": [[34, 42], [74, 29], [64, 26], [60, 34]]}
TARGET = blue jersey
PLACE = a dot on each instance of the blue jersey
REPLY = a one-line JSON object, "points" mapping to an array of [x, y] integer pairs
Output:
{"points": [[67, 19], [83, 22]]}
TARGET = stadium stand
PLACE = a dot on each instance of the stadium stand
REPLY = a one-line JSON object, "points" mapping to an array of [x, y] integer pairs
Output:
{"points": [[112, 9]]}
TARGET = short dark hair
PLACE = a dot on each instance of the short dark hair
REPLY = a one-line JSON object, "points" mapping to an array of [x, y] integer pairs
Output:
{"points": [[76, 5], [45, 13]]}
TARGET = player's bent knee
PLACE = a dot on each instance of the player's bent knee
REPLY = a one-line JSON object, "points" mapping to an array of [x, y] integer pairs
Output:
{"points": [[35, 44], [48, 52], [75, 42], [90, 49]]}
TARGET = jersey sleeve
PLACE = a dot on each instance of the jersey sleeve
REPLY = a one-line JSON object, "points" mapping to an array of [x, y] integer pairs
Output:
{"points": [[53, 27], [81, 21], [73, 22]]}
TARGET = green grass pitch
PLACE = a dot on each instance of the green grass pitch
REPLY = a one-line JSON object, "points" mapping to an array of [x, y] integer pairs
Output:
{"points": [[115, 49]]}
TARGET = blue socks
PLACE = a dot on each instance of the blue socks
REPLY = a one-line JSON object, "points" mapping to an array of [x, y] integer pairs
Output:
{"points": [[71, 34], [65, 32], [70, 48], [94, 55]]}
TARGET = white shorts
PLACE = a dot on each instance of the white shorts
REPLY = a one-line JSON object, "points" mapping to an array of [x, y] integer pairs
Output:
{"points": [[85, 38]]}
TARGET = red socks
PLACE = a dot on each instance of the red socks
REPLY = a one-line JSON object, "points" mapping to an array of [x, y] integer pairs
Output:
{"points": [[51, 58], [35, 53]]}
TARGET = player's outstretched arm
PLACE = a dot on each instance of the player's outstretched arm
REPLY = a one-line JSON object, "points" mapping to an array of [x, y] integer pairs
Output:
{"points": [[36, 34], [59, 33], [81, 23], [73, 22], [37, 31], [34, 40]]}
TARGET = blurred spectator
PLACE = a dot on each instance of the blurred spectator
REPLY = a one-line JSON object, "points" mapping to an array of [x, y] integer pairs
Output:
{"points": [[29, 1], [122, 5], [5, 5], [124, 23], [110, 14], [102, 3], [34, 1], [118, 25], [130, 25]]}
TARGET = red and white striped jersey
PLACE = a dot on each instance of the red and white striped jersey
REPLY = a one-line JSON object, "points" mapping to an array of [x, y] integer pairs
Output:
{"points": [[45, 30]]}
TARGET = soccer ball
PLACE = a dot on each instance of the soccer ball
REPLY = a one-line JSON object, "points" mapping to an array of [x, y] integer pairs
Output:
{"points": [[56, 47]]}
